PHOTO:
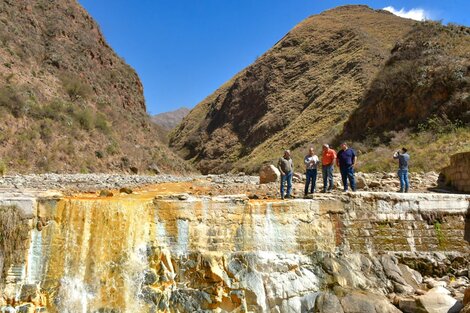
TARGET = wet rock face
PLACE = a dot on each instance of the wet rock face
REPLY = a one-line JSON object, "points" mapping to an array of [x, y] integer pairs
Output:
{"points": [[145, 252]]}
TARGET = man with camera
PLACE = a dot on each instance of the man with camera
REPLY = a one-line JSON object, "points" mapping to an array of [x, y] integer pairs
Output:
{"points": [[403, 159]]}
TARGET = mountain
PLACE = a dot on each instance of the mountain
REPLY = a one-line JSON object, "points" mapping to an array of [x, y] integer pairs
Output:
{"points": [[169, 120], [347, 65], [301, 90], [68, 103]]}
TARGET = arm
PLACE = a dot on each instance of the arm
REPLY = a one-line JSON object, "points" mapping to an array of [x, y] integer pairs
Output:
{"points": [[354, 159], [306, 161], [279, 167]]}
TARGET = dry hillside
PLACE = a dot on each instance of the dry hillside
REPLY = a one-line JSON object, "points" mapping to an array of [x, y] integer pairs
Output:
{"points": [[302, 89], [169, 120], [374, 70], [68, 103]]}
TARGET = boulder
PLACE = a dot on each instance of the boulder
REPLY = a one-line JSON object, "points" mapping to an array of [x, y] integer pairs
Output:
{"points": [[297, 177], [437, 300], [328, 303], [361, 182], [269, 174], [154, 168], [355, 302]]}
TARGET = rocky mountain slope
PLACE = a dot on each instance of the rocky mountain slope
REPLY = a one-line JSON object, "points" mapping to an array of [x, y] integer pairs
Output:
{"points": [[68, 103], [428, 74], [304, 89], [169, 120]]}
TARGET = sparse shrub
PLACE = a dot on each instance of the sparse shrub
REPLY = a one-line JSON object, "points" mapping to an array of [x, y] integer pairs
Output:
{"points": [[85, 118], [440, 124], [3, 167], [102, 124], [75, 88], [112, 148], [13, 100], [99, 154]]}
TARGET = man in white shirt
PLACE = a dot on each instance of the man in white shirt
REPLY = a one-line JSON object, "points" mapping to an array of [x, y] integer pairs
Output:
{"points": [[311, 161]]}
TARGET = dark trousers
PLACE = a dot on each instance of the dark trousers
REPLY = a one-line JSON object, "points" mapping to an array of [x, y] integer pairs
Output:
{"points": [[311, 179], [327, 172], [347, 172]]}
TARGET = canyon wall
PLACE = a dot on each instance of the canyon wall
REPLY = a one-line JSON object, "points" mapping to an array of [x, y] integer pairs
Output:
{"points": [[154, 252]]}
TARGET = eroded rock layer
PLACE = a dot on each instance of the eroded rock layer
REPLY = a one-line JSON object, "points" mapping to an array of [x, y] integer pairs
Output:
{"points": [[152, 251]]}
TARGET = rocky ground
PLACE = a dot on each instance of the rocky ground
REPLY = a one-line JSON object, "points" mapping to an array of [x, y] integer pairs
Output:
{"points": [[209, 184]]}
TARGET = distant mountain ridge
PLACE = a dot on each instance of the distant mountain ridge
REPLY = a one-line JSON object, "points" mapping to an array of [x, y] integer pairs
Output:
{"points": [[68, 103], [169, 120]]}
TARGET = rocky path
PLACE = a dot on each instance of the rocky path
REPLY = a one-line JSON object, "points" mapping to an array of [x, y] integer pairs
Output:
{"points": [[212, 184]]}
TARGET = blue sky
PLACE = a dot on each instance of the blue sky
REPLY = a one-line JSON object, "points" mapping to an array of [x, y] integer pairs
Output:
{"points": [[184, 50]]}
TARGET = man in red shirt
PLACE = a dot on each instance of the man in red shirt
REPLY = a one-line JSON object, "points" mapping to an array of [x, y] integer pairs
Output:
{"points": [[328, 160]]}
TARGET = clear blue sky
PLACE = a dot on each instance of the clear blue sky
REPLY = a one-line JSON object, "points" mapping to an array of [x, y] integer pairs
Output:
{"points": [[184, 50]]}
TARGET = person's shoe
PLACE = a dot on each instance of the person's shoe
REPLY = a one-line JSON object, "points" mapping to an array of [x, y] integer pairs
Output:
{"points": [[329, 190], [406, 190], [401, 191], [345, 190], [323, 191], [282, 197]]}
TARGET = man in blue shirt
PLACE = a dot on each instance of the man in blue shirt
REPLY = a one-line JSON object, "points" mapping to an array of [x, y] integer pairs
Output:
{"points": [[403, 159], [346, 160]]}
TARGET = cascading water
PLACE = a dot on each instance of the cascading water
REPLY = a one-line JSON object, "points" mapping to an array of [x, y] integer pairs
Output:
{"points": [[152, 253]]}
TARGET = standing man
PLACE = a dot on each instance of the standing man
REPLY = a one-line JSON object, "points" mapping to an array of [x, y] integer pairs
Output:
{"points": [[403, 158], [346, 161], [328, 161], [286, 167], [311, 161]]}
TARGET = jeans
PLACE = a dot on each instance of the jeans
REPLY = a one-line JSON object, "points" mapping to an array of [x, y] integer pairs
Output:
{"points": [[311, 175], [403, 176], [327, 171], [287, 177], [347, 172]]}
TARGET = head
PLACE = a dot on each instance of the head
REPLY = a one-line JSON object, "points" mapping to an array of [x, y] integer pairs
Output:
{"points": [[404, 150], [286, 154], [325, 147], [311, 151], [344, 146]]}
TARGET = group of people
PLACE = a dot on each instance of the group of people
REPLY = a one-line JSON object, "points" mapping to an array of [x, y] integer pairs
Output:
{"points": [[345, 159]]}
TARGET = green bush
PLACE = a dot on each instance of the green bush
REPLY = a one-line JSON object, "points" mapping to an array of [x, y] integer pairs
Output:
{"points": [[85, 118], [13, 100]]}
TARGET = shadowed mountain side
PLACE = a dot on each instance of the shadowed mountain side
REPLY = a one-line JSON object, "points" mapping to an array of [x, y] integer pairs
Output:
{"points": [[303, 88], [427, 77]]}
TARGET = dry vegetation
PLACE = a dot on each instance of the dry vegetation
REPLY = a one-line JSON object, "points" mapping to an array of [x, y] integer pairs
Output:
{"points": [[68, 103]]}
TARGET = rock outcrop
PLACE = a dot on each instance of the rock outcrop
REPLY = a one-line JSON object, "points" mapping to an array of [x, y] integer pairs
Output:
{"points": [[160, 251]]}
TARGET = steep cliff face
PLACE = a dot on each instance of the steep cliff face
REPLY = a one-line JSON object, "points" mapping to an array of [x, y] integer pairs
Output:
{"points": [[157, 251], [67, 101], [300, 90]]}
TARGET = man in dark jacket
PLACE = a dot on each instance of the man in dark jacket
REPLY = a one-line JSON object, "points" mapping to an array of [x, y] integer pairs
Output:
{"points": [[346, 160]]}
